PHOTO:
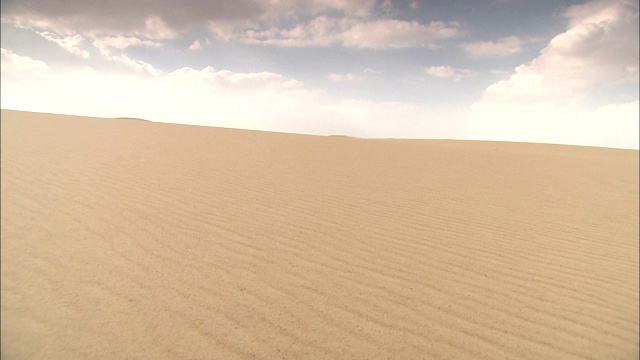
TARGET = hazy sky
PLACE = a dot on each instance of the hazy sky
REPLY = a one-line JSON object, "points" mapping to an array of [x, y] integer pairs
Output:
{"points": [[516, 70]]}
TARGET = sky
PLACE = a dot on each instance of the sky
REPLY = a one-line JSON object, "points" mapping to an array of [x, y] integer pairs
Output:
{"points": [[548, 71]]}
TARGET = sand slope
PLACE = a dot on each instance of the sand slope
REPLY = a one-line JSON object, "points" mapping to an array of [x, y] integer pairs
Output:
{"points": [[133, 240]]}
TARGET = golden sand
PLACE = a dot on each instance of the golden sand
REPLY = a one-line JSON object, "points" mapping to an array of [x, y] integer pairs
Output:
{"points": [[126, 239]]}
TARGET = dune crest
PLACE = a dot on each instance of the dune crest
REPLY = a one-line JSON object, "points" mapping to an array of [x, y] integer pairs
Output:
{"points": [[135, 239]]}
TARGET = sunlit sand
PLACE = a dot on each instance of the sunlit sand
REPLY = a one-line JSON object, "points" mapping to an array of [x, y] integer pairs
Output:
{"points": [[139, 240]]}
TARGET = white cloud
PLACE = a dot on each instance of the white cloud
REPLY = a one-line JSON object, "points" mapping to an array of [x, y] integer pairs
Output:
{"points": [[547, 98], [260, 101], [578, 52], [276, 22], [69, 43], [38, 22], [196, 45], [14, 62], [23, 70], [137, 65], [348, 32], [208, 96], [574, 62], [63, 29], [107, 45], [603, 11], [122, 42], [395, 34], [525, 86], [344, 77], [449, 72], [155, 28], [321, 31], [551, 98], [440, 71], [503, 47]]}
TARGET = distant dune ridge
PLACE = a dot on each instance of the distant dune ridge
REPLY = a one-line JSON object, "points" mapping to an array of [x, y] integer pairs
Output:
{"points": [[130, 118], [139, 240]]}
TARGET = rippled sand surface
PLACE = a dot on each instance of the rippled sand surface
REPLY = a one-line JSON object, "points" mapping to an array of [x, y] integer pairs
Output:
{"points": [[127, 239]]}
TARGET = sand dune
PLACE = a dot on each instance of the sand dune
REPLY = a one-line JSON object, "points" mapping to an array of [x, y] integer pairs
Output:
{"points": [[131, 239]]}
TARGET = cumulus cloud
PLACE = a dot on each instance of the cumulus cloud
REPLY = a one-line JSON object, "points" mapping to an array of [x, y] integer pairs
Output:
{"points": [[344, 77], [440, 71], [137, 65], [196, 45], [211, 97], [70, 43], [574, 61], [503, 47], [14, 62], [550, 93], [111, 48], [449, 72]]}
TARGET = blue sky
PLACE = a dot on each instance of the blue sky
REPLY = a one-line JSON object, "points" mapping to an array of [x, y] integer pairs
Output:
{"points": [[512, 70]]}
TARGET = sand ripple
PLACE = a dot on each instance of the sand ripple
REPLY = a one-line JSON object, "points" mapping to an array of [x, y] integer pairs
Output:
{"points": [[138, 240]]}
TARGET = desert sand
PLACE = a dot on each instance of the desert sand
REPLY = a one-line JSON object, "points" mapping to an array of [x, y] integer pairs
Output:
{"points": [[127, 239]]}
